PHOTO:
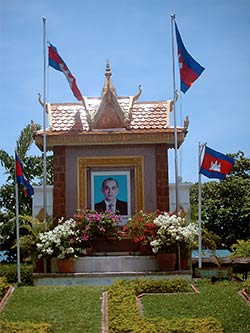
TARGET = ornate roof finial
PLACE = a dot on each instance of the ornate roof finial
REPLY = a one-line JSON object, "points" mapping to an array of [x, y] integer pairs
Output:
{"points": [[108, 73], [108, 84], [135, 98]]}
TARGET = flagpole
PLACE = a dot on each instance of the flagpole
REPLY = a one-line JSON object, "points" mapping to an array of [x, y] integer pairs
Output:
{"points": [[17, 229], [200, 150], [175, 126], [44, 125]]}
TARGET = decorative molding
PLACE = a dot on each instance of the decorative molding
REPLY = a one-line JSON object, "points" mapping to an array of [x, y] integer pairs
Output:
{"points": [[111, 138], [84, 163]]}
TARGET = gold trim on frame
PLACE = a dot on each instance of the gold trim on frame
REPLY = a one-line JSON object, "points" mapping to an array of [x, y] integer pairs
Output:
{"points": [[115, 161]]}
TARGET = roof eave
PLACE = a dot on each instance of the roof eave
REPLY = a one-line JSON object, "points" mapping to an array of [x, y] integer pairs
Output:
{"points": [[111, 138]]}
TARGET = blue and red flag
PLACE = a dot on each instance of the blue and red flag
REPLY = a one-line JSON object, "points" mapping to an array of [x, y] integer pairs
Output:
{"points": [[21, 177], [57, 63], [215, 164], [190, 69]]}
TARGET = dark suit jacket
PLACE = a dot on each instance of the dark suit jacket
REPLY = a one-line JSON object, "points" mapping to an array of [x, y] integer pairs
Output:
{"points": [[121, 207]]}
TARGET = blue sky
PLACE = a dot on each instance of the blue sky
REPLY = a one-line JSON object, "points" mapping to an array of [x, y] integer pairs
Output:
{"points": [[135, 35]]}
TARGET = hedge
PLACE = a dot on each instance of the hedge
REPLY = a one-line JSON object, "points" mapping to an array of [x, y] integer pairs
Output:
{"points": [[123, 311], [3, 286], [10, 272], [24, 327], [246, 286]]}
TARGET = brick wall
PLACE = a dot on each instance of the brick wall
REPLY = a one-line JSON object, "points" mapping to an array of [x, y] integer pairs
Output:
{"points": [[59, 182], [162, 177]]}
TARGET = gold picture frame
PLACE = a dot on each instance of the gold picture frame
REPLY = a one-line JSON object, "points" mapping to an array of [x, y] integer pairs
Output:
{"points": [[86, 163]]}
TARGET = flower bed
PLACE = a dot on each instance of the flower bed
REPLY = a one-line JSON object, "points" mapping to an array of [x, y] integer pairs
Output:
{"points": [[124, 316], [24, 327]]}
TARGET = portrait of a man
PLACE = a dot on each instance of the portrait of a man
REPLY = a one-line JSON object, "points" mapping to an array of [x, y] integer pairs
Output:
{"points": [[111, 201], [110, 190]]}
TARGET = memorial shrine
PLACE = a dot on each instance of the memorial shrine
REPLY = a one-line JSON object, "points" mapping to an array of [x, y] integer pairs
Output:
{"points": [[110, 135], [110, 143]]}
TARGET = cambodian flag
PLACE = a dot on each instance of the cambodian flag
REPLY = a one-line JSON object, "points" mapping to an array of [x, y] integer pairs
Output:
{"points": [[190, 70], [57, 63], [215, 164], [21, 178]]}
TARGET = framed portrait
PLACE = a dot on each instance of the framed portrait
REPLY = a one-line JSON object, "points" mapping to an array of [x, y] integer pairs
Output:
{"points": [[127, 171], [109, 186]]}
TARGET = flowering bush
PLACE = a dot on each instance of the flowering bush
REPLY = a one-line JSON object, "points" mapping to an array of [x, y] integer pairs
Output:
{"points": [[92, 225], [141, 229], [61, 242], [72, 238], [173, 230]]}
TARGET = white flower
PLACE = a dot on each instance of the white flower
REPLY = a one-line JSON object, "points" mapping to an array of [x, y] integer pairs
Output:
{"points": [[57, 241], [173, 229]]}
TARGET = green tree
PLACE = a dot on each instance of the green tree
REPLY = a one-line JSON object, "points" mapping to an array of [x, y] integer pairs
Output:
{"points": [[33, 166], [226, 203]]}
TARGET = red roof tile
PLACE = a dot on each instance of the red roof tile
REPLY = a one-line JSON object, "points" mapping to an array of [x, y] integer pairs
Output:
{"points": [[68, 117]]}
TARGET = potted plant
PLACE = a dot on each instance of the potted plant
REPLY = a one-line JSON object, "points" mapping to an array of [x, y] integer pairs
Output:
{"points": [[142, 230], [29, 240], [97, 230], [173, 234], [62, 242]]}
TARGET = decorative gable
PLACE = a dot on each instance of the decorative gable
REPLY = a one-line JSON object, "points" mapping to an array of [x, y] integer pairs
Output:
{"points": [[101, 120], [110, 113]]}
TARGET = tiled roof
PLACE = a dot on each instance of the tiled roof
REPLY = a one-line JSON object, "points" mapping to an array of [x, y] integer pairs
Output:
{"points": [[68, 117], [150, 115]]}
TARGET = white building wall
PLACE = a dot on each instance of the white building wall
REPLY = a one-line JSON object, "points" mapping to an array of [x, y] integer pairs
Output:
{"points": [[184, 198], [37, 202]]}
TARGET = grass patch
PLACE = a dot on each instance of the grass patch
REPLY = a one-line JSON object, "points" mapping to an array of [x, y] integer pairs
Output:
{"points": [[68, 309], [220, 301]]}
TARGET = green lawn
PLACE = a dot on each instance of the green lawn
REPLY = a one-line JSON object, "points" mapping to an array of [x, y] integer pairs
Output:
{"points": [[68, 309], [220, 300], [78, 309]]}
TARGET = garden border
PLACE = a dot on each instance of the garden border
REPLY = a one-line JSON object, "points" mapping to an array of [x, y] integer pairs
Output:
{"points": [[6, 297], [217, 326]]}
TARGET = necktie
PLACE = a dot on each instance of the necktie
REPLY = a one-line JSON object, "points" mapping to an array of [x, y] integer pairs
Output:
{"points": [[111, 207]]}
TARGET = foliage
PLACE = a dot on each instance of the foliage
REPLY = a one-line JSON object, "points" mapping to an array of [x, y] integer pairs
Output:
{"points": [[71, 238], [8, 236], [226, 203], [9, 271], [141, 228], [3, 286], [175, 285], [209, 239], [92, 224], [33, 166], [246, 286], [60, 242], [34, 228], [173, 230], [241, 248], [124, 315], [24, 327]]}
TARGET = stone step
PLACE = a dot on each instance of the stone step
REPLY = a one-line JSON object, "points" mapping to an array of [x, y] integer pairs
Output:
{"points": [[111, 263]]}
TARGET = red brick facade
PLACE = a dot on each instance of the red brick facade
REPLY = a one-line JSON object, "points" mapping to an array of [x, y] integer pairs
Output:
{"points": [[59, 182], [162, 177]]}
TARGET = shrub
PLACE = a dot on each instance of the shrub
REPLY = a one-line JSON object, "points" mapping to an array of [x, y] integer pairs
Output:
{"points": [[246, 286], [241, 248], [10, 272], [3, 286], [24, 327], [161, 286], [124, 314]]}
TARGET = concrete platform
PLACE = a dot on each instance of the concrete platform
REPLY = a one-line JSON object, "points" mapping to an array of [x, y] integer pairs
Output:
{"points": [[103, 270], [101, 279]]}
